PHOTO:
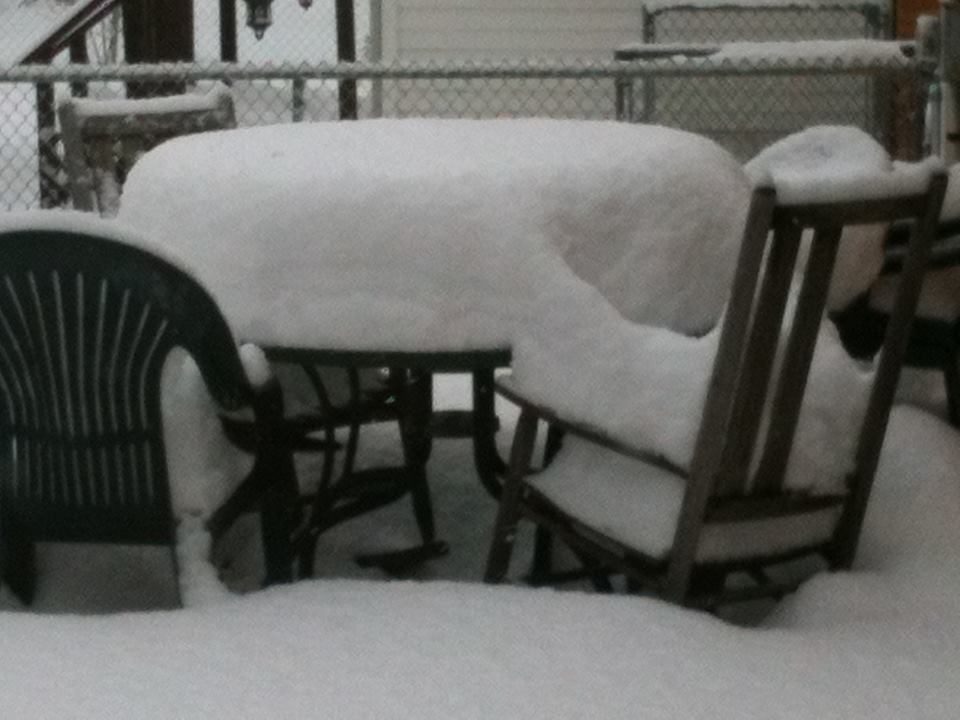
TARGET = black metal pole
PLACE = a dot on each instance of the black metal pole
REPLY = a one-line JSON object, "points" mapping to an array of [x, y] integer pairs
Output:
{"points": [[78, 54], [228, 30], [347, 52], [51, 191]]}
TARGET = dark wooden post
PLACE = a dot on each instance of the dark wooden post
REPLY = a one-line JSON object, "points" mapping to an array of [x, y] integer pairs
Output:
{"points": [[52, 193], [907, 12], [157, 31], [228, 30], [78, 54], [347, 52]]}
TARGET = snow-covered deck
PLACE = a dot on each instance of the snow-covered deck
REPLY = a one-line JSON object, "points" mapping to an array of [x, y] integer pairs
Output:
{"points": [[876, 643], [879, 642]]}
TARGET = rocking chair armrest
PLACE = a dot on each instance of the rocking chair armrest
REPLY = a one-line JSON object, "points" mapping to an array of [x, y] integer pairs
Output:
{"points": [[505, 386]]}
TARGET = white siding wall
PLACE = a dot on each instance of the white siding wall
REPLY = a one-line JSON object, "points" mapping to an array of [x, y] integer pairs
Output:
{"points": [[743, 113], [494, 30], [500, 29]]}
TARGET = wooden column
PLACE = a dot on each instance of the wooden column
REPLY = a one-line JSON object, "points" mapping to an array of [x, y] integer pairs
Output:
{"points": [[52, 191], [78, 54], [907, 12], [157, 31], [347, 52], [228, 30]]}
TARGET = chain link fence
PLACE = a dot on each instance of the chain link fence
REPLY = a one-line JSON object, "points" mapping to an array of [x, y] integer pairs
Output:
{"points": [[742, 96], [747, 112]]}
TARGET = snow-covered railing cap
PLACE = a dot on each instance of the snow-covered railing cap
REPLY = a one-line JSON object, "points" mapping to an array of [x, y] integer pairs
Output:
{"points": [[862, 55], [657, 6], [808, 186], [191, 102]]}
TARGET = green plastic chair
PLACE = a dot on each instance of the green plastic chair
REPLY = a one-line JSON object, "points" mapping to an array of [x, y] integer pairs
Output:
{"points": [[86, 322]]}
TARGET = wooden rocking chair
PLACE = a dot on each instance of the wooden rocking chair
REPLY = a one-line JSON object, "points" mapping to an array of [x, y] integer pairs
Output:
{"points": [[729, 516]]}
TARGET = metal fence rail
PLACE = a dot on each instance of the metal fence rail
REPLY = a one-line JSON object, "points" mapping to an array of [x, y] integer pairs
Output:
{"points": [[31, 172]]}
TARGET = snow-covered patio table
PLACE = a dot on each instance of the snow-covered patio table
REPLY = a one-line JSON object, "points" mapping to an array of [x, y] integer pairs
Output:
{"points": [[437, 244], [430, 235]]}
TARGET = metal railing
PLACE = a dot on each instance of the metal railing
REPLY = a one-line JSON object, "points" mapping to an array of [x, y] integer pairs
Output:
{"points": [[31, 174]]}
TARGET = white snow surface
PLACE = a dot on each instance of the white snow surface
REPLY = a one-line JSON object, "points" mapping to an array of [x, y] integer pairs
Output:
{"points": [[880, 642], [837, 162], [27, 23], [183, 103], [835, 53], [438, 234], [654, 5]]}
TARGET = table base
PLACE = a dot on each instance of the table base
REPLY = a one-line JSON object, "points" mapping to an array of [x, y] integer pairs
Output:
{"points": [[406, 396]]}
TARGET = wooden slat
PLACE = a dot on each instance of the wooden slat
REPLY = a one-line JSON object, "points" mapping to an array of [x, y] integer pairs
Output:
{"points": [[720, 403], [758, 359], [798, 354], [755, 507]]}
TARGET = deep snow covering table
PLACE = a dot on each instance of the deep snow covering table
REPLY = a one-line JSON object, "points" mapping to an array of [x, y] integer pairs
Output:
{"points": [[445, 243], [598, 252], [442, 234]]}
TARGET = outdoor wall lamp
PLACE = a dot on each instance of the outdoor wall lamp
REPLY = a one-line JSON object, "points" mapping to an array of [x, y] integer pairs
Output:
{"points": [[259, 16]]}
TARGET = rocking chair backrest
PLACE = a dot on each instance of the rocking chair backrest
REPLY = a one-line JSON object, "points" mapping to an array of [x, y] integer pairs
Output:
{"points": [[103, 139], [86, 323], [743, 390]]}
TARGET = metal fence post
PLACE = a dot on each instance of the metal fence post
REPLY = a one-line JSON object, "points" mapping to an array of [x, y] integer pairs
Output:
{"points": [[649, 90], [950, 76], [928, 52], [347, 52], [375, 51]]}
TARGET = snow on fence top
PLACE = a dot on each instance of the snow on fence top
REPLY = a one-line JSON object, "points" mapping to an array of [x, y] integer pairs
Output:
{"points": [[189, 102], [834, 54], [654, 6]]}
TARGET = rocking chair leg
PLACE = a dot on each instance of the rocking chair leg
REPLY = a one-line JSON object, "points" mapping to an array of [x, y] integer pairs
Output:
{"points": [[306, 554], [951, 376], [601, 583], [542, 556], [508, 514], [423, 506]]}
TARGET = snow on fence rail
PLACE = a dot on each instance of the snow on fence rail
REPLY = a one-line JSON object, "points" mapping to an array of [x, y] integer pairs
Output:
{"points": [[869, 74]]}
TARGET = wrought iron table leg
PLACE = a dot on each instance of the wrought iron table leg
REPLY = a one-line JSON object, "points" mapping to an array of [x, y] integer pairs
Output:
{"points": [[415, 409], [490, 466]]}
